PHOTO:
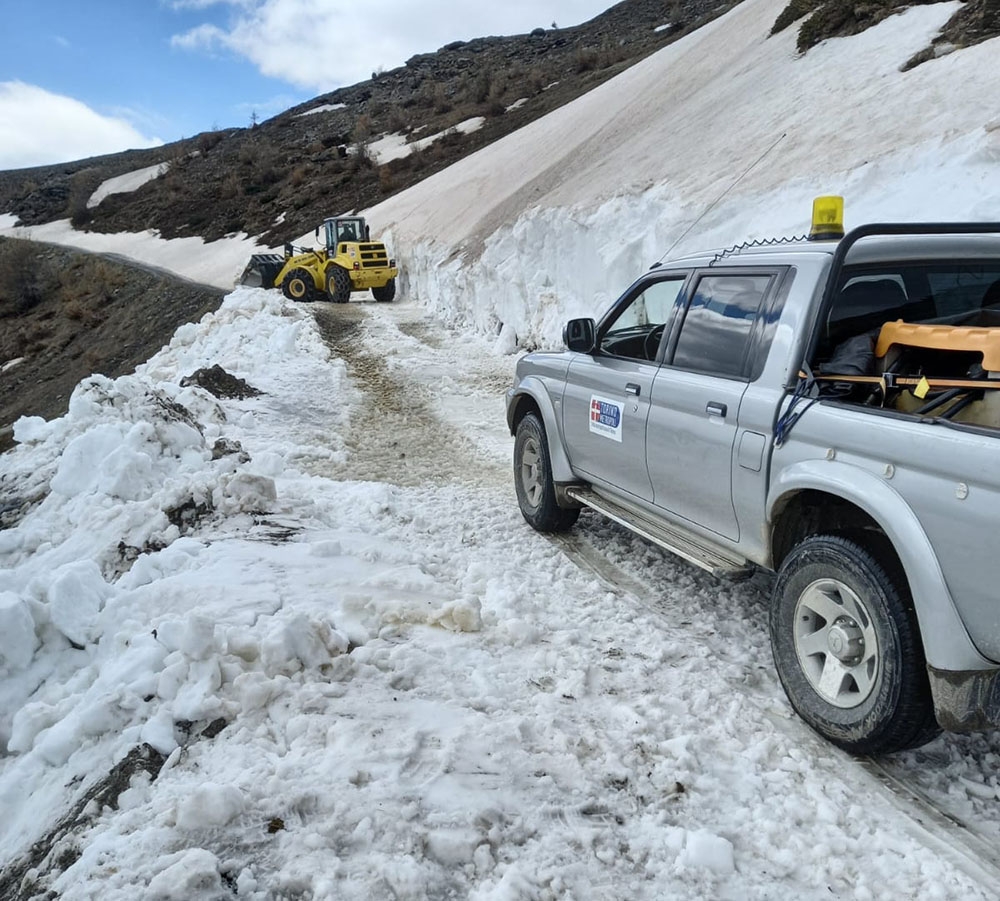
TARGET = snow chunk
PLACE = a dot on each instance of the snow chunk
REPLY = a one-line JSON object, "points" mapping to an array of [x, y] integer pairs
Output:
{"points": [[301, 640], [188, 874], [210, 805], [17, 632], [79, 465], [463, 615], [29, 429], [244, 492], [76, 595], [709, 852]]}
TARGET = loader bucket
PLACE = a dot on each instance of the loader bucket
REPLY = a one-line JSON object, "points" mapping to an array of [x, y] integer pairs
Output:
{"points": [[262, 270]]}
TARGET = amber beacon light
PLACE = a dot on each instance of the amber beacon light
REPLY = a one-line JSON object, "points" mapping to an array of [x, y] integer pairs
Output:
{"points": [[828, 219]]}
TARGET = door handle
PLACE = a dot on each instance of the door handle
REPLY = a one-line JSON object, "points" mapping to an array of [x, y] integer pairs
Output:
{"points": [[632, 388], [716, 409]]}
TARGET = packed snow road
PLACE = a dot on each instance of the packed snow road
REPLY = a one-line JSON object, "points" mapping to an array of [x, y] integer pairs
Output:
{"points": [[368, 678]]}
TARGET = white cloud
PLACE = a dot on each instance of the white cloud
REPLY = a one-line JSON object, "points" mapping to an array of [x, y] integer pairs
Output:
{"points": [[38, 127], [322, 44]]}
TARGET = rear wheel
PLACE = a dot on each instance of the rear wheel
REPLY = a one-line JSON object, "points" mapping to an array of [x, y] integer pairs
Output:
{"points": [[386, 293], [536, 494], [338, 284], [847, 648], [298, 285]]}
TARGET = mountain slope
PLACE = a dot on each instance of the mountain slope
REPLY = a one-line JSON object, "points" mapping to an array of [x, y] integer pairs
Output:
{"points": [[575, 205], [282, 176]]}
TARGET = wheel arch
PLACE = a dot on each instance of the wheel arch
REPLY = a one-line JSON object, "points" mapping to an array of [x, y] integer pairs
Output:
{"points": [[829, 497], [531, 397]]}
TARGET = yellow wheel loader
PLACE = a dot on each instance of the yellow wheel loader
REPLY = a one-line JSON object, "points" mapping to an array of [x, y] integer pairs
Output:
{"points": [[349, 262]]}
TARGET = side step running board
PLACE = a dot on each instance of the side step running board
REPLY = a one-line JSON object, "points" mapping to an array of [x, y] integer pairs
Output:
{"points": [[678, 541]]}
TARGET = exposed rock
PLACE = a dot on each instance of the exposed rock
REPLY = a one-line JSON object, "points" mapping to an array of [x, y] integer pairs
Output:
{"points": [[215, 380]]}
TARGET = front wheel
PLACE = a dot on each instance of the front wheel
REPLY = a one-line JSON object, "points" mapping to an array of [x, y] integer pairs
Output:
{"points": [[536, 494], [298, 285], [338, 284], [847, 648], [386, 293]]}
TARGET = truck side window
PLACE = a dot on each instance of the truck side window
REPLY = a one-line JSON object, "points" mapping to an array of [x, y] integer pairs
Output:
{"points": [[716, 331], [636, 329]]}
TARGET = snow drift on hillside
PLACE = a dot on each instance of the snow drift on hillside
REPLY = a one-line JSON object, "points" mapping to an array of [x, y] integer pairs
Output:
{"points": [[219, 263], [126, 183], [557, 219]]}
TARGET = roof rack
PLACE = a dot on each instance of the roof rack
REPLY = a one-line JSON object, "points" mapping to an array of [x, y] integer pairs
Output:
{"points": [[760, 242]]}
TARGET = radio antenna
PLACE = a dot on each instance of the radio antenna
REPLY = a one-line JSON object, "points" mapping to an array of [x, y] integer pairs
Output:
{"points": [[718, 199]]}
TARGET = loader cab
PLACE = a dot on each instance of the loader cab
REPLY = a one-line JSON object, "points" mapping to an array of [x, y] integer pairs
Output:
{"points": [[350, 229]]}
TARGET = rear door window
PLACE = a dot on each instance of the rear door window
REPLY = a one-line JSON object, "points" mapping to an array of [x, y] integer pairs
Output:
{"points": [[715, 335]]}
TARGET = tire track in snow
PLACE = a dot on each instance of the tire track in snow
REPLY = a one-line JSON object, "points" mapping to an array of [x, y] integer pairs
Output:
{"points": [[968, 848], [397, 437]]}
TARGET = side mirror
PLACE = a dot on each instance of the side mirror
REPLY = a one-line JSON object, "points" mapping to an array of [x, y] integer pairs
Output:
{"points": [[580, 335], [317, 232]]}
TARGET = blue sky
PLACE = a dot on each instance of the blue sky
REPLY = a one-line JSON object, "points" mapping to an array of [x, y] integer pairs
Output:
{"points": [[95, 76]]}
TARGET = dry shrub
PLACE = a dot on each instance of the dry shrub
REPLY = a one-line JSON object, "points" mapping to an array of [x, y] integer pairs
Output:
{"points": [[442, 103], [585, 59], [386, 180], [25, 276]]}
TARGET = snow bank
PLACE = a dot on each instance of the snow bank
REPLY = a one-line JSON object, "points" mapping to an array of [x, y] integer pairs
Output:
{"points": [[135, 463], [125, 184]]}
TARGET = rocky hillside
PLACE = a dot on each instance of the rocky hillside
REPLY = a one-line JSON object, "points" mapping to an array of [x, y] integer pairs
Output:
{"points": [[281, 177], [65, 315], [355, 146]]}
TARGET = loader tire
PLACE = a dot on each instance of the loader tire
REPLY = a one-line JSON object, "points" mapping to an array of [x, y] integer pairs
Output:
{"points": [[338, 284], [386, 293], [298, 285]]}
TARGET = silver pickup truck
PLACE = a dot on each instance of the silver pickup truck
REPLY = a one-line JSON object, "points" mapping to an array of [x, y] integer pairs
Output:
{"points": [[827, 409]]}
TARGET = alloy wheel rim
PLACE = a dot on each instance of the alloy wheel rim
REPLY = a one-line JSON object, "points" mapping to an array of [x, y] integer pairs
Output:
{"points": [[531, 476], [836, 644]]}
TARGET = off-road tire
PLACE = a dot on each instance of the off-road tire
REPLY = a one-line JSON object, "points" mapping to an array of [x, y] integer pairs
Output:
{"points": [[298, 285], [536, 495], [897, 711], [386, 293], [338, 284]]}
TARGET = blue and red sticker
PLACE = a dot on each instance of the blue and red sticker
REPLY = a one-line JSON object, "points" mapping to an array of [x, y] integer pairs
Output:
{"points": [[605, 417]]}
